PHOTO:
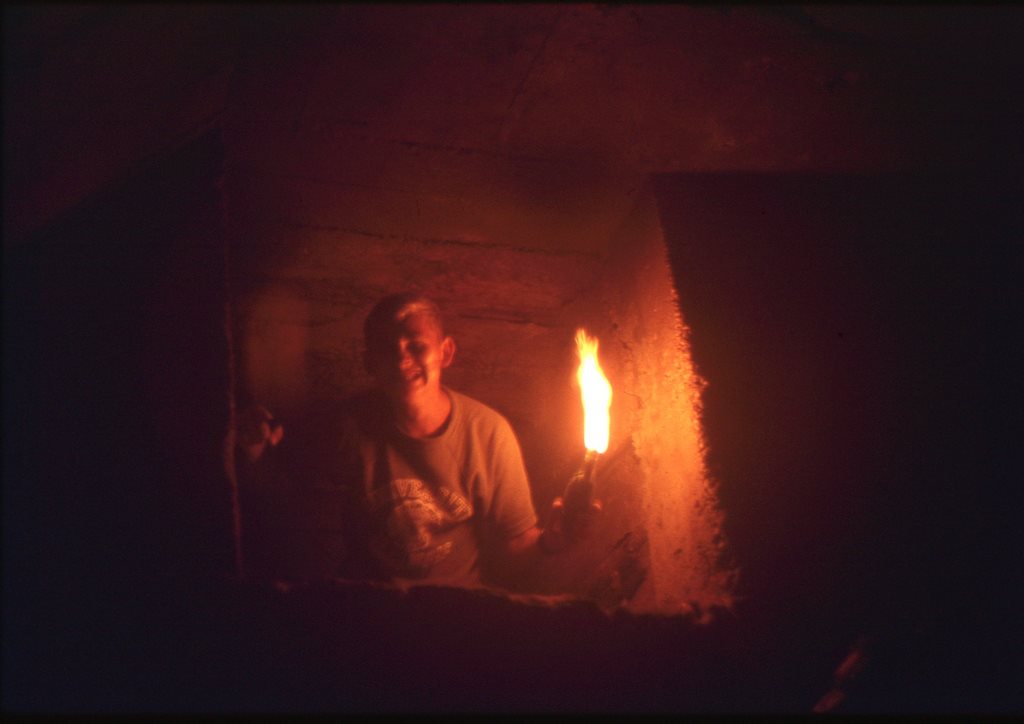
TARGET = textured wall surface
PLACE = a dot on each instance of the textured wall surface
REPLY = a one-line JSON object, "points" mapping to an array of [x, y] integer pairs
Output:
{"points": [[413, 101], [661, 401]]}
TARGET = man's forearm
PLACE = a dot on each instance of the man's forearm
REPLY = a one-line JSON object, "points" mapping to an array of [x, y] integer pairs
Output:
{"points": [[524, 542]]}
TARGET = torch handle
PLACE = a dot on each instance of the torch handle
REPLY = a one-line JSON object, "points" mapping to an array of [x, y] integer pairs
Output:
{"points": [[579, 493]]}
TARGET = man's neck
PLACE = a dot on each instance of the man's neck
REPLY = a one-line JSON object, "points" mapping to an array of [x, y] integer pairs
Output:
{"points": [[423, 416]]}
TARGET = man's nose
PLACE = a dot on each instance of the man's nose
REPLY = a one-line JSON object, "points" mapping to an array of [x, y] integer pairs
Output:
{"points": [[402, 355]]}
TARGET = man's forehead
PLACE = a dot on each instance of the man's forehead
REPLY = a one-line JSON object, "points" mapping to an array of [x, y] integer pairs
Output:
{"points": [[413, 324], [419, 322]]}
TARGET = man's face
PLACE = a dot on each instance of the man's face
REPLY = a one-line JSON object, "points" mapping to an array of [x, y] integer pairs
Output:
{"points": [[407, 359]]}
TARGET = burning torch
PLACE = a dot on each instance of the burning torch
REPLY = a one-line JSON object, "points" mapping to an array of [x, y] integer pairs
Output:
{"points": [[596, 395]]}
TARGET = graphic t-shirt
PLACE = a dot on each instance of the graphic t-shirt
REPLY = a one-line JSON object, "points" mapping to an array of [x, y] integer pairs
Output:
{"points": [[418, 509]]}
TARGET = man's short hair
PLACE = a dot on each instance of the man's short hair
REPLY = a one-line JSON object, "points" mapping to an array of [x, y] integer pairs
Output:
{"points": [[395, 308]]}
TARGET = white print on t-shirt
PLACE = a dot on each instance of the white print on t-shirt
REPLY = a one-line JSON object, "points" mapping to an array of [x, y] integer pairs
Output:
{"points": [[417, 514]]}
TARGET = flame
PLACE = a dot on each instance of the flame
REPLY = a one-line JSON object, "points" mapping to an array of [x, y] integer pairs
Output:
{"points": [[596, 393]]}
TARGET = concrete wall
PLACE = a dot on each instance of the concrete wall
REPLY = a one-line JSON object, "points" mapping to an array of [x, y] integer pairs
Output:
{"points": [[652, 88], [660, 547]]}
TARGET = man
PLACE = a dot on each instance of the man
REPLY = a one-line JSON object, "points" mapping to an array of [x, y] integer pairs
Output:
{"points": [[430, 477]]}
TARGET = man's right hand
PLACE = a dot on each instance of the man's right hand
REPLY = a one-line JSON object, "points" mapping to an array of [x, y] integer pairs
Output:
{"points": [[256, 428], [568, 526]]}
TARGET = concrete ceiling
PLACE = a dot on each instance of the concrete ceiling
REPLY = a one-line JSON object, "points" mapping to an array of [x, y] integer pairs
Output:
{"points": [[613, 90]]}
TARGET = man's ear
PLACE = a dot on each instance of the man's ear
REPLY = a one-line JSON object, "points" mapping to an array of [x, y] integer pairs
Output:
{"points": [[448, 348]]}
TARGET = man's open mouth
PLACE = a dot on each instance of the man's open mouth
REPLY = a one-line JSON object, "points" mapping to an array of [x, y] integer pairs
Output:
{"points": [[410, 377]]}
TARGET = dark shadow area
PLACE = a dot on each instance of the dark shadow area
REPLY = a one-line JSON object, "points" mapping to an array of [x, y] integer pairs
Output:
{"points": [[859, 338], [115, 408]]}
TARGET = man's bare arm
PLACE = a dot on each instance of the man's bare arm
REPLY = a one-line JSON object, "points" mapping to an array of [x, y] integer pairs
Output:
{"points": [[522, 543], [560, 533]]}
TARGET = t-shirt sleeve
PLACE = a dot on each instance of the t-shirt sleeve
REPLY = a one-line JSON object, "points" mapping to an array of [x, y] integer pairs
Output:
{"points": [[512, 510]]}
